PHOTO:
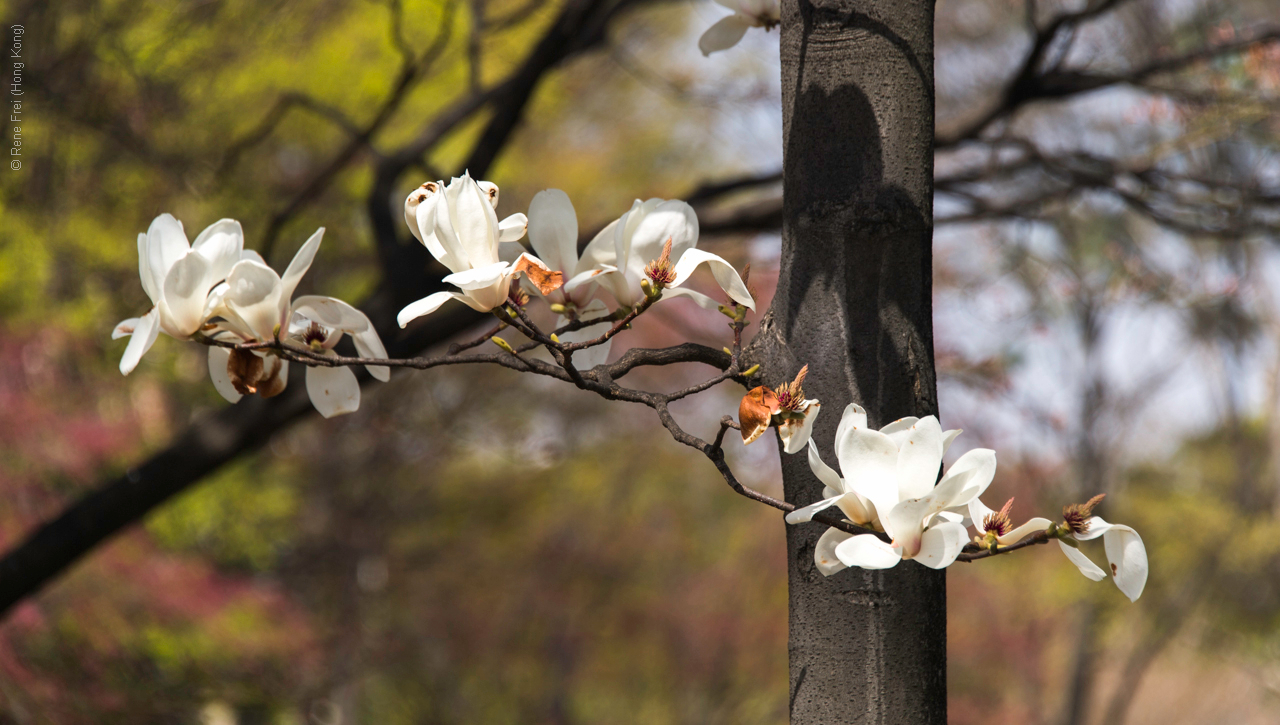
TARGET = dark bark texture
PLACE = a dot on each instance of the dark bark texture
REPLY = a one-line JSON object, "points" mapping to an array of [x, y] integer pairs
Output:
{"points": [[854, 303]]}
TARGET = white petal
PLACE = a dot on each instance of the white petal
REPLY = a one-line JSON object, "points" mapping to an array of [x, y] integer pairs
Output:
{"points": [[1087, 567], [252, 256], [480, 278], [553, 230], [868, 552], [919, 458], [253, 293], [802, 515], [425, 306], [978, 512], [125, 328], [599, 251], [969, 476], [905, 523], [149, 283], [824, 551], [852, 417], [331, 312], [145, 330], [186, 289], [588, 276], [857, 509], [512, 228], [626, 227], [333, 391], [218, 358], [1127, 556], [869, 461], [795, 434], [723, 35], [725, 275], [166, 244], [298, 266], [368, 344], [898, 429], [954, 517], [949, 437], [825, 473], [1018, 534], [430, 216], [672, 220], [1097, 527], [703, 301], [941, 544], [474, 222], [220, 244]]}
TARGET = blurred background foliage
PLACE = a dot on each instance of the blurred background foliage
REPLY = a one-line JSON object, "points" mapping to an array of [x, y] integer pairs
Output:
{"points": [[474, 547]]}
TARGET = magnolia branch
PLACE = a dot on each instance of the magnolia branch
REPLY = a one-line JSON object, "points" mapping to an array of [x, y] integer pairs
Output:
{"points": [[602, 380]]}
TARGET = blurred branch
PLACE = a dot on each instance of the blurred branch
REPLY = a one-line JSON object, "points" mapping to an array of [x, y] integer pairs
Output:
{"points": [[474, 38], [412, 69], [1026, 186], [273, 117], [1040, 79], [711, 190], [515, 17]]}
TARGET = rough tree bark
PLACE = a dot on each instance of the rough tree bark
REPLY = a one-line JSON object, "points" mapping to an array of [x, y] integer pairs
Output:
{"points": [[853, 302]]}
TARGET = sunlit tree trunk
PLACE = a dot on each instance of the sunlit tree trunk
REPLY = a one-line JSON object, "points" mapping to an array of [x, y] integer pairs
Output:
{"points": [[853, 302]]}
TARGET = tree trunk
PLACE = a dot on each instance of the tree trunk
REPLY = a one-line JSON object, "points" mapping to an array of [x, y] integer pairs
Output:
{"points": [[854, 303]]}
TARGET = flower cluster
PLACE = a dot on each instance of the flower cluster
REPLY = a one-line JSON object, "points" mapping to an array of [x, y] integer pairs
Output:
{"points": [[747, 14], [891, 487], [647, 253], [215, 290]]}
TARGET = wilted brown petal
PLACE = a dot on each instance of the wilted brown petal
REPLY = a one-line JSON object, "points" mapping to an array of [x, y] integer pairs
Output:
{"points": [[542, 277], [754, 412], [245, 370], [273, 384]]}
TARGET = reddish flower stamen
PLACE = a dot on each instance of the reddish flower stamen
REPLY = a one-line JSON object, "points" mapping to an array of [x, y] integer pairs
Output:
{"points": [[791, 395], [516, 295], [1076, 516], [314, 335], [659, 271], [999, 523]]}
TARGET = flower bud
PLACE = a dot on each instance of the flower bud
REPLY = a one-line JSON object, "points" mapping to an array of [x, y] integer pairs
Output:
{"points": [[751, 370], [504, 345], [557, 308]]}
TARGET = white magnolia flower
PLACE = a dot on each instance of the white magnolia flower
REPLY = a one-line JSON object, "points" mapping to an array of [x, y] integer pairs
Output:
{"points": [[746, 14], [458, 225], [178, 276], [255, 305], [1126, 554], [635, 247], [553, 233], [890, 474]]}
